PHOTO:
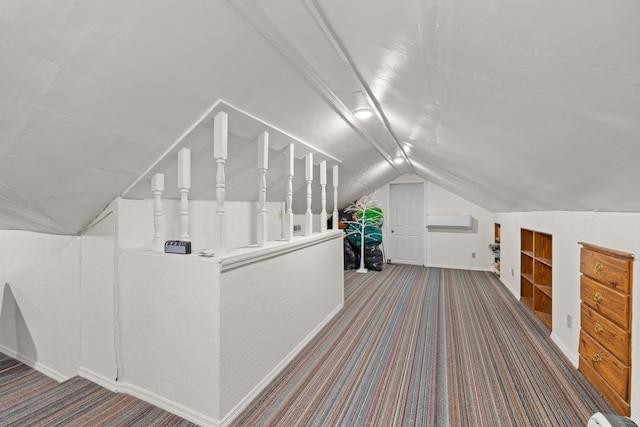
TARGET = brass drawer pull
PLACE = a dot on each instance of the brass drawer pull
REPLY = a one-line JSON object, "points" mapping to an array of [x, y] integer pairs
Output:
{"points": [[597, 358], [599, 328], [597, 297], [599, 267]]}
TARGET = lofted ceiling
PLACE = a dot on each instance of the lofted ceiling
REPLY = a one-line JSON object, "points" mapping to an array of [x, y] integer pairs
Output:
{"points": [[515, 105]]}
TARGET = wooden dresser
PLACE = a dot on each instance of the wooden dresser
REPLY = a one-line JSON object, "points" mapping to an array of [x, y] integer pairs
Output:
{"points": [[605, 322]]}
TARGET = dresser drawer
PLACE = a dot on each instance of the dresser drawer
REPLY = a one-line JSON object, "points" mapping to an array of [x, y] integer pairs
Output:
{"points": [[604, 363], [605, 301], [607, 269], [619, 404], [610, 336]]}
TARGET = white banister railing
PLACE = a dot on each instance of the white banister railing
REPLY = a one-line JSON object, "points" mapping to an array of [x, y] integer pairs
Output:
{"points": [[220, 140], [157, 187], [323, 196], [288, 216], [335, 220], [308, 177], [183, 220], [263, 165], [184, 184]]}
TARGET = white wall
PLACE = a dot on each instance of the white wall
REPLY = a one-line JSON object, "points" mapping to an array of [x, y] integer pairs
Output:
{"points": [[447, 248], [619, 231], [201, 343], [269, 308], [98, 281], [135, 222], [169, 317], [40, 301], [148, 323]]}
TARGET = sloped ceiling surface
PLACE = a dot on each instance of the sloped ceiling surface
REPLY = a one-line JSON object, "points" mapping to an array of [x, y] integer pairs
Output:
{"points": [[515, 105]]}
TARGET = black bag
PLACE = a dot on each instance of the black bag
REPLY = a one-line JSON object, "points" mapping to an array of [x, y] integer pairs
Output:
{"points": [[373, 258], [350, 258]]}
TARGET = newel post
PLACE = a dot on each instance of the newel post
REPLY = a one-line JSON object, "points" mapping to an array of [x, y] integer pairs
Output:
{"points": [[184, 184], [323, 196], [336, 219], [220, 138], [308, 176], [263, 165], [288, 216], [157, 187]]}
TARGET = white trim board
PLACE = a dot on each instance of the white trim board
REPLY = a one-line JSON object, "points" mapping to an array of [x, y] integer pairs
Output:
{"points": [[43, 369], [196, 417]]}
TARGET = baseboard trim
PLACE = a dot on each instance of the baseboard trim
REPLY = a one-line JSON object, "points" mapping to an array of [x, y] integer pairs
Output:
{"points": [[573, 358], [516, 294], [40, 367], [244, 402], [458, 267], [149, 397], [99, 379], [168, 405], [190, 415]]}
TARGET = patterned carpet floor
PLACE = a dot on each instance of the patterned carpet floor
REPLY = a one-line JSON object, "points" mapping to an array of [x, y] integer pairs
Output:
{"points": [[418, 346], [30, 399], [413, 346]]}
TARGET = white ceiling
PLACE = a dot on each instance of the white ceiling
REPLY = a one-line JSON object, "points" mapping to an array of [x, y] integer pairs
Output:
{"points": [[515, 105]]}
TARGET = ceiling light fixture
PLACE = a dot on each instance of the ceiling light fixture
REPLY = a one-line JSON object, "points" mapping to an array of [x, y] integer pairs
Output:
{"points": [[362, 113]]}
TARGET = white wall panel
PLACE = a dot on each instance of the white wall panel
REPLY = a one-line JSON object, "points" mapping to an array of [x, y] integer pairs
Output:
{"points": [[270, 307], [169, 316], [98, 282], [200, 343], [40, 301], [468, 249], [136, 222]]}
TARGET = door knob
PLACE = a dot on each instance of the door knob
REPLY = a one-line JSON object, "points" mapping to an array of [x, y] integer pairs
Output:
{"points": [[393, 231]]}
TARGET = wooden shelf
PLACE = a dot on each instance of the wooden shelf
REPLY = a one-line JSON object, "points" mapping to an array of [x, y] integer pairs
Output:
{"points": [[536, 274], [545, 290], [546, 261], [542, 245], [526, 240], [528, 278], [496, 254]]}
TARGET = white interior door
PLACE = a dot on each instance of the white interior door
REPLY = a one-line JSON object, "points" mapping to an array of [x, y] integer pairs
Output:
{"points": [[406, 223]]}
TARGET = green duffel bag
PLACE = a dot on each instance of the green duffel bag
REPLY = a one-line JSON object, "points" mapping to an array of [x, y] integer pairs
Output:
{"points": [[372, 234]]}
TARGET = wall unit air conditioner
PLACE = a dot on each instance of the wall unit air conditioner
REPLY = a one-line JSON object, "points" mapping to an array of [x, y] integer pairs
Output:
{"points": [[460, 222]]}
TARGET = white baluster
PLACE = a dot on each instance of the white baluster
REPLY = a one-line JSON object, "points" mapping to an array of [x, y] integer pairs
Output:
{"points": [[308, 176], [323, 196], [157, 187], [220, 138], [184, 184], [288, 216], [335, 198], [263, 165]]}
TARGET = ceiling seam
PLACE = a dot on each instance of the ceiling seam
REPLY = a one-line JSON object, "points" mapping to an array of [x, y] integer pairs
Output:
{"points": [[321, 20], [31, 203], [275, 38]]}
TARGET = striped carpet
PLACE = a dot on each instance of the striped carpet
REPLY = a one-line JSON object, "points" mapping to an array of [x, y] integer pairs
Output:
{"points": [[28, 398], [419, 346]]}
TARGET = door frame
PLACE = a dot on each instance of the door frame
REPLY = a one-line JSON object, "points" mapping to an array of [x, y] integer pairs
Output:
{"points": [[387, 229]]}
